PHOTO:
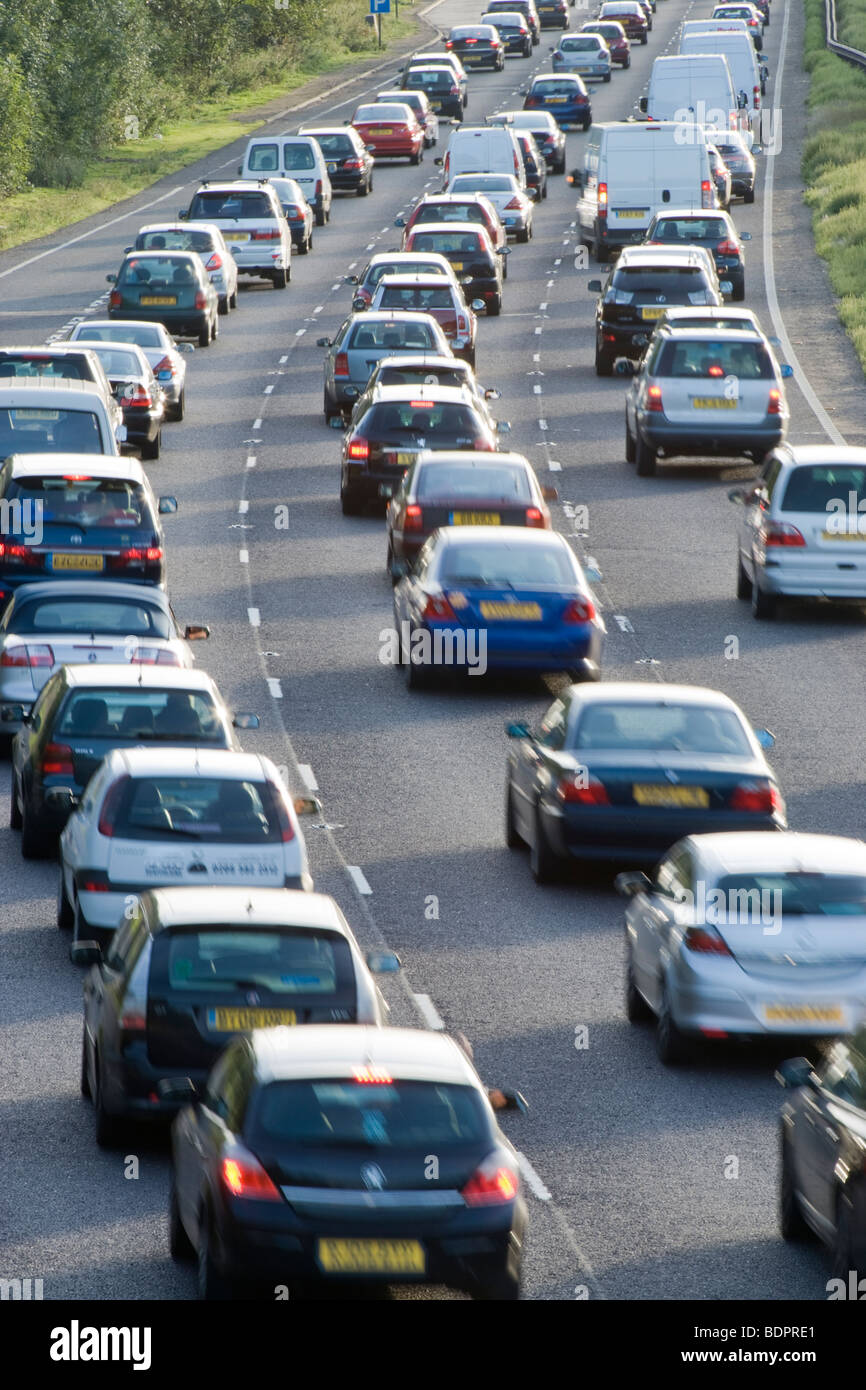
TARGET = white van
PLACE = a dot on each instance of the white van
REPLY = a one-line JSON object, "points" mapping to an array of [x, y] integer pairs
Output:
{"points": [[297, 157], [692, 89], [742, 60], [488, 149], [632, 169]]}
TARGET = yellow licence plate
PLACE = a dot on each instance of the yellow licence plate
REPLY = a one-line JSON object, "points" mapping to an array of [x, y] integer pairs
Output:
{"points": [[78, 562], [843, 535], [405, 460], [652, 311], [158, 299], [714, 403], [475, 519], [524, 612], [456, 265], [631, 212], [557, 99], [371, 1256], [650, 794], [242, 1020], [236, 236], [384, 130], [804, 1013]]}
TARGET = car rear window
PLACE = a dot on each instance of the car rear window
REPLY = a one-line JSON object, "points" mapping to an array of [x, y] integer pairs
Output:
{"points": [[190, 240], [823, 488], [429, 77], [375, 273], [403, 334], [502, 483], [106, 617], [158, 271], [147, 716], [450, 212], [336, 145], [662, 728], [216, 810], [89, 503], [554, 87], [702, 358], [117, 362], [298, 157], [443, 425], [578, 44], [45, 369], [40, 430], [391, 1114], [144, 335], [213, 206], [430, 376], [503, 564], [379, 111], [416, 297], [449, 243], [484, 183], [218, 959], [797, 894], [688, 229]]}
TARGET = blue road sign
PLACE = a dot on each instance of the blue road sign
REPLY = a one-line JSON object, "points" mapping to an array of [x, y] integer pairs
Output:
{"points": [[380, 6]]}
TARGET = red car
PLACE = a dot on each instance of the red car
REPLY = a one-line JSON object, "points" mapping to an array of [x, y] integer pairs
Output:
{"points": [[630, 15], [455, 207], [390, 131], [435, 295], [614, 36]]}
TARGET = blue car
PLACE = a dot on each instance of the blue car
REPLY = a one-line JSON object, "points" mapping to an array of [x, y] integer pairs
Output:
{"points": [[564, 95], [482, 597]]}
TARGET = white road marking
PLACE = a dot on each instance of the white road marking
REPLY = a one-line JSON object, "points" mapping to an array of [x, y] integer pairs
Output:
{"points": [[358, 879], [257, 424], [555, 466], [243, 506], [308, 777], [543, 425], [275, 688], [244, 557], [537, 331], [536, 357], [427, 1010], [623, 623], [318, 309], [255, 617], [532, 1178], [251, 461], [269, 389], [558, 261], [335, 287], [285, 357], [536, 390], [593, 564], [299, 332], [352, 265], [543, 306]]}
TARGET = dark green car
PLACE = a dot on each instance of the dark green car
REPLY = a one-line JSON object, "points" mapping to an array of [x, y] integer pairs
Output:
{"points": [[172, 288]]}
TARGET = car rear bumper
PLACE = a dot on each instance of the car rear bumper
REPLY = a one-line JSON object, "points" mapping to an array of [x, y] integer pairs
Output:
{"points": [[567, 115], [624, 833], [182, 323], [347, 182], [815, 577], [756, 1007], [143, 426], [710, 440]]}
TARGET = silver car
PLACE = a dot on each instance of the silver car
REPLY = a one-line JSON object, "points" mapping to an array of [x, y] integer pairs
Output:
{"points": [[204, 238], [513, 203], [362, 340], [803, 533], [585, 54], [747, 936], [163, 353]]}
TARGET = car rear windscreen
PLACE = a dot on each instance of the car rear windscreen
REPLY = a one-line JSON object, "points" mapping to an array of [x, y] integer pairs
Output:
{"points": [[690, 229], [88, 503], [45, 369], [800, 893], [376, 334], [144, 335], [449, 243], [184, 240], [430, 376], [213, 206], [336, 146], [720, 359], [117, 362], [664, 728], [44, 430], [493, 483], [216, 959], [441, 425], [430, 77], [401, 268], [415, 297], [449, 212], [158, 271], [484, 183], [215, 809], [507, 564], [148, 716], [838, 491], [100, 617], [392, 1114]]}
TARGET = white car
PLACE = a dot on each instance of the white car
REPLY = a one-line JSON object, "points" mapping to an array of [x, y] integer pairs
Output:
{"points": [[159, 347], [203, 237], [585, 54], [251, 220], [155, 818], [512, 202]]}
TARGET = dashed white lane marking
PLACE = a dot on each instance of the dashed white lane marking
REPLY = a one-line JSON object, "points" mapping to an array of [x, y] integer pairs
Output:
{"points": [[558, 261], [369, 246], [335, 287], [243, 506], [555, 466], [536, 390], [251, 461], [550, 283], [536, 357], [352, 265], [243, 557], [284, 358], [623, 623], [255, 617], [537, 331], [357, 877], [427, 1010], [543, 425], [299, 332], [318, 309], [257, 424], [269, 389], [275, 688], [543, 305], [532, 1178], [592, 564], [308, 777]]}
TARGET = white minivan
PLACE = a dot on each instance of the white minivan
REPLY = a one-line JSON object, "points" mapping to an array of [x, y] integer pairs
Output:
{"points": [[692, 89], [489, 149], [297, 157], [631, 170], [742, 60]]}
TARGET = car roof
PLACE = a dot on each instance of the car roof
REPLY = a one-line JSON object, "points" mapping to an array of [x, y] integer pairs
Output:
{"points": [[391, 316], [57, 394], [786, 850], [162, 253], [699, 214], [334, 1049], [92, 465], [512, 535], [231, 185], [558, 77], [844, 455], [188, 762], [81, 328], [418, 278], [85, 588], [193, 225], [400, 392], [250, 907], [435, 228], [456, 198], [467, 458], [656, 256], [331, 129], [708, 335], [424, 360], [137, 677], [650, 692], [709, 311], [43, 349], [410, 255]]}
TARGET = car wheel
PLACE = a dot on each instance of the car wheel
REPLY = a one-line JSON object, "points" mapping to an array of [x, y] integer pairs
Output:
{"points": [[587, 124], [418, 675], [212, 1284], [644, 458], [108, 1128], [627, 63], [792, 1225], [544, 190], [744, 583], [179, 1244], [395, 573], [204, 336], [304, 245], [847, 1251], [739, 292], [672, 1046], [637, 1010], [603, 363], [14, 809], [179, 410], [543, 862], [65, 915], [34, 845], [494, 307], [763, 604], [629, 444], [233, 299], [350, 502], [524, 234], [320, 216], [643, 38], [363, 188], [416, 158], [749, 195], [281, 279], [512, 835], [84, 1082], [606, 76], [151, 447]]}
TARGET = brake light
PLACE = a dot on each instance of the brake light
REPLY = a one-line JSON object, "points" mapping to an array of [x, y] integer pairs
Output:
{"points": [[761, 797], [462, 324], [96, 885], [449, 43], [654, 400], [353, 164], [141, 396], [439, 609], [728, 248], [536, 517], [269, 234], [582, 789], [602, 200], [372, 1076], [132, 1021], [494, 43], [214, 262], [705, 941], [135, 554], [579, 610], [110, 803], [318, 192], [515, 203], [114, 299], [492, 1184], [200, 299], [341, 364], [413, 519], [774, 404], [18, 554], [40, 656], [455, 90], [244, 1176], [706, 193], [154, 656], [774, 533], [57, 760], [165, 365], [756, 97], [287, 830], [359, 449]]}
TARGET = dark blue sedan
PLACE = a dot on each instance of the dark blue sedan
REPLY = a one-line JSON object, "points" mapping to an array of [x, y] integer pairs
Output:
{"points": [[564, 96], [483, 597]]}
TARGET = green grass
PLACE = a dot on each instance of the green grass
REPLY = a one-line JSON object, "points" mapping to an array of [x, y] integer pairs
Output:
{"points": [[132, 165], [834, 163]]}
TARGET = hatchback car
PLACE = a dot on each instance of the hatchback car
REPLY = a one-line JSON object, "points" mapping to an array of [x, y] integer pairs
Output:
{"points": [[84, 712], [549, 136], [527, 8], [585, 54], [424, 113], [249, 215], [552, 14], [622, 770], [298, 213], [441, 86], [398, 424], [438, 297], [69, 415], [803, 528], [156, 818], [747, 936], [307, 1157], [630, 15], [58, 362], [165, 356], [638, 290], [739, 161], [515, 207], [426, 370], [472, 255], [565, 98], [390, 130], [715, 231], [394, 263], [454, 208], [137, 392], [514, 31], [447, 59], [477, 46], [701, 393], [191, 968], [348, 161], [97, 516], [206, 239], [359, 343], [614, 36], [171, 287], [456, 489]]}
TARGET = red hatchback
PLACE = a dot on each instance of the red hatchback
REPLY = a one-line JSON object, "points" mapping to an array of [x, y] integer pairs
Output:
{"points": [[455, 207], [629, 14], [614, 36], [390, 131]]}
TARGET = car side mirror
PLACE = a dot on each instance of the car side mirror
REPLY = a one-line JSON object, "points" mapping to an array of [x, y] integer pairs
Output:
{"points": [[85, 953], [745, 236], [507, 1100], [518, 729], [196, 632], [111, 279], [594, 286], [794, 1072], [350, 279], [383, 962], [642, 105], [765, 738], [246, 721], [491, 394], [592, 574], [323, 342], [13, 714], [185, 347], [399, 222], [127, 249], [550, 494], [625, 367], [477, 305], [533, 193], [359, 305], [177, 1088], [628, 884], [61, 799], [167, 506], [503, 250], [183, 215], [308, 806], [786, 370], [739, 494], [438, 159], [335, 422]]}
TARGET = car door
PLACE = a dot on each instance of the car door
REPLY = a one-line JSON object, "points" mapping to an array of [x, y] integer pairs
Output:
{"points": [[105, 995], [529, 763], [755, 511], [654, 918], [821, 1134]]}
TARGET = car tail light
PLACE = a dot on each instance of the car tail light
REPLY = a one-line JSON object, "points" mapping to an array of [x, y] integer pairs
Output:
{"points": [[532, 100], [134, 555], [760, 797], [19, 554], [484, 446], [579, 610], [318, 192], [583, 790], [602, 200], [774, 403], [454, 91], [706, 193], [581, 100], [354, 164], [728, 248], [96, 885], [359, 449], [439, 609], [449, 43], [756, 97], [414, 518], [462, 324], [269, 234], [774, 533], [514, 204], [214, 262], [536, 517], [154, 656], [654, 401], [57, 760], [341, 364], [110, 803], [133, 1021], [494, 43], [25, 655], [372, 1076], [165, 365], [115, 299], [492, 1184], [287, 830], [244, 1176], [140, 397], [200, 299], [705, 941]]}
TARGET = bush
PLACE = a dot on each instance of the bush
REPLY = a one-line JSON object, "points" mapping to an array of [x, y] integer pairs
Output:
{"points": [[17, 117]]}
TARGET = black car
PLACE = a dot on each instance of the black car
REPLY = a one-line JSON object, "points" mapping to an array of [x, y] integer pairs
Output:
{"points": [[138, 393], [740, 163], [715, 231], [515, 33], [548, 135], [440, 86], [307, 1155], [477, 46], [621, 771], [640, 286], [822, 1190], [349, 162], [85, 711], [471, 253], [534, 163], [553, 14], [525, 7]]}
